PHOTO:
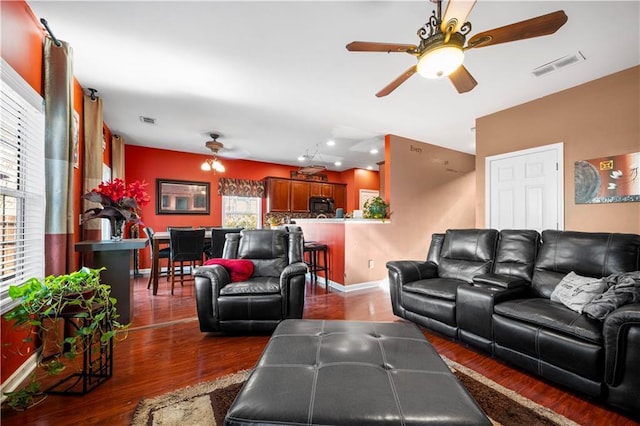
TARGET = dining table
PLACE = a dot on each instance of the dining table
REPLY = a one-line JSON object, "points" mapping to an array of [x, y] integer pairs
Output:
{"points": [[161, 238]]}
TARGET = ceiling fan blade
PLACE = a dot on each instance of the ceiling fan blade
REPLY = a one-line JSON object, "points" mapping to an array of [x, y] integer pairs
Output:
{"points": [[534, 27], [368, 46], [397, 82], [458, 10], [462, 80]]}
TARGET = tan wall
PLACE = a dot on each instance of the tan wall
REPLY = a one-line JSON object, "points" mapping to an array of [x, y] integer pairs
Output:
{"points": [[431, 189], [596, 119]]}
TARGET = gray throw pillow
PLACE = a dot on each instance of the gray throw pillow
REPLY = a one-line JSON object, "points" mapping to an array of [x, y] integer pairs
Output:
{"points": [[575, 291]]}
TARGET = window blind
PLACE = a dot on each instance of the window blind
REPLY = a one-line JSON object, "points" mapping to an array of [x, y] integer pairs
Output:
{"points": [[22, 183]]}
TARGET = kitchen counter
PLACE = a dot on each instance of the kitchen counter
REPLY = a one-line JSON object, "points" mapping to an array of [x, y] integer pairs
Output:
{"points": [[357, 249], [347, 220]]}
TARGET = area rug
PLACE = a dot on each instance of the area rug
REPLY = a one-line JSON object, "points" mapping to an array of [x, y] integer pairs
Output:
{"points": [[208, 402]]}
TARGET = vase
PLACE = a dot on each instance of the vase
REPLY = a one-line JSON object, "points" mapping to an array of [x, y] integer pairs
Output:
{"points": [[117, 228]]}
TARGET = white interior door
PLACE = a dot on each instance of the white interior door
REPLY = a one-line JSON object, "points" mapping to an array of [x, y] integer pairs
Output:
{"points": [[525, 189]]}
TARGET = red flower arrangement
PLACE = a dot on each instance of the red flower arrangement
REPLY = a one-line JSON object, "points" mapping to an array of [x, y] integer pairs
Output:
{"points": [[119, 201]]}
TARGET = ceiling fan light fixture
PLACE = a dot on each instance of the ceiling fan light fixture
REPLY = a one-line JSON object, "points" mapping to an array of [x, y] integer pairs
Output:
{"points": [[440, 61]]}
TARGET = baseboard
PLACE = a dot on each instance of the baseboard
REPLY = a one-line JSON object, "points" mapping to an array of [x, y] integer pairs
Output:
{"points": [[19, 376], [353, 287]]}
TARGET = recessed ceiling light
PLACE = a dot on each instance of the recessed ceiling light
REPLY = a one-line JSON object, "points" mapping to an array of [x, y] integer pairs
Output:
{"points": [[301, 158], [373, 151], [338, 163], [331, 142], [369, 167]]}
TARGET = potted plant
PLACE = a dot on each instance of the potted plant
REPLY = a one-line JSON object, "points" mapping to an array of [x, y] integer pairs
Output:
{"points": [[376, 208], [272, 221], [80, 295], [120, 204]]}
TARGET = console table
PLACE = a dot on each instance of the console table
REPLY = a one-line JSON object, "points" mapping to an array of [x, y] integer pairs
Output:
{"points": [[115, 256]]}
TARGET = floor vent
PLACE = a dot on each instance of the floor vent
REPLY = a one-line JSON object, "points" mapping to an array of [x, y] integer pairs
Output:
{"points": [[557, 64], [148, 120]]}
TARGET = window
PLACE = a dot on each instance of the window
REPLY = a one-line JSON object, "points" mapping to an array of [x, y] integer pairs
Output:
{"points": [[241, 212], [22, 192]]}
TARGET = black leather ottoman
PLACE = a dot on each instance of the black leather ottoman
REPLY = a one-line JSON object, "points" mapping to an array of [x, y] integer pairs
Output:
{"points": [[316, 372]]}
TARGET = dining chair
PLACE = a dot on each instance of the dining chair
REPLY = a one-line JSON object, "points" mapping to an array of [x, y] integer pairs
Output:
{"points": [[163, 253], [185, 245], [216, 242]]}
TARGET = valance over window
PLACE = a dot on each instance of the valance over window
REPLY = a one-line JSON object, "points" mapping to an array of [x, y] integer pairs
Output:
{"points": [[241, 187]]}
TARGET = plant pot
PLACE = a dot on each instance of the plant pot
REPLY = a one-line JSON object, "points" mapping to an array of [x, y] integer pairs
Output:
{"points": [[117, 228], [83, 296]]}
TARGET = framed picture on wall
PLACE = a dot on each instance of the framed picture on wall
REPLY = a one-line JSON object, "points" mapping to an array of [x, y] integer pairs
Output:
{"points": [[182, 197]]}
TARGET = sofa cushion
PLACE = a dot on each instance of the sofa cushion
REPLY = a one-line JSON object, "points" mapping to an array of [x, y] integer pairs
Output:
{"points": [[256, 285], [552, 315], [466, 253], [575, 291], [586, 253], [442, 288], [239, 269]]}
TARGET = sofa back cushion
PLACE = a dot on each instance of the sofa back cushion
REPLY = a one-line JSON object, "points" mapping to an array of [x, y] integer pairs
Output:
{"points": [[589, 254], [466, 253], [516, 254], [267, 249]]}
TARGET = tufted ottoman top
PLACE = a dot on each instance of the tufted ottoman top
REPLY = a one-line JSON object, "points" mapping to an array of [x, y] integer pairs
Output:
{"points": [[316, 372]]}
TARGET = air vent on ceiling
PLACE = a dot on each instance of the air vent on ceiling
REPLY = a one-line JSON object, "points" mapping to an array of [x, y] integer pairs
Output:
{"points": [[147, 120], [557, 64]]}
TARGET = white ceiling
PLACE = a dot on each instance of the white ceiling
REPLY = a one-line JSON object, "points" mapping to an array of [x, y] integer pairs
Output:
{"points": [[275, 80]]}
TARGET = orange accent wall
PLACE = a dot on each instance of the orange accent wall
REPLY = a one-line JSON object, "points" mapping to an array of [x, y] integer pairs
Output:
{"points": [[149, 164], [22, 41], [357, 179], [21, 45]]}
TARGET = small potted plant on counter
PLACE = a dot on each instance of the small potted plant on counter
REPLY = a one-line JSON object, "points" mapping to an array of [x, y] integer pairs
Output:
{"points": [[376, 208], [79, 295]]}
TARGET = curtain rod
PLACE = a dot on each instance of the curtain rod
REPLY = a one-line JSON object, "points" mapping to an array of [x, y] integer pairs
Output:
{"points": [[46, 26]]}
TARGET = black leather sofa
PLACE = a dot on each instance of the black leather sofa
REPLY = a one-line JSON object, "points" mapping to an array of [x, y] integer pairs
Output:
{"points": [[491, 289]]}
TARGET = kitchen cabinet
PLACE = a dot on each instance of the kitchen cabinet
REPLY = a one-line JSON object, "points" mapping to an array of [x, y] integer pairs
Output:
{"points": [[278, 195], [318, 189], [292, 196], [299, 196]]}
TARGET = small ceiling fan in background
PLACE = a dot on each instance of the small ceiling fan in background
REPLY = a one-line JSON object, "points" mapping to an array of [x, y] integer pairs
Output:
{"points": [[442, 38]]}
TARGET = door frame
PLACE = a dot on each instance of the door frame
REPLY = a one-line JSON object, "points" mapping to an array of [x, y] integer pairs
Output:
{"points": [[557, 147]]}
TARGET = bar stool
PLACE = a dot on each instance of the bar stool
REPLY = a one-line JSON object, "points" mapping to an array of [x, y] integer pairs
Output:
{"points": [[314, 249]]}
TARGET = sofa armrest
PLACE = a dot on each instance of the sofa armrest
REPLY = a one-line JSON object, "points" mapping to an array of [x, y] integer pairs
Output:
{"points": [[499, 281], [618, 351], [292, 281], [209, 280], [412, 270], [406, 271]]}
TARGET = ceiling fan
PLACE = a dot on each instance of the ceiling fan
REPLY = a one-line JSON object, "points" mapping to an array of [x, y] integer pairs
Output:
{"points": [[213, 164], [442, 38]]}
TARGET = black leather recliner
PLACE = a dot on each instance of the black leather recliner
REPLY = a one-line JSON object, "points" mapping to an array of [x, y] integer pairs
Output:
{"points": [[273, 293], [425, 291]]}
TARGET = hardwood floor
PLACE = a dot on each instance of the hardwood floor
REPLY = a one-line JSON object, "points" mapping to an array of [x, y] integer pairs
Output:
{"points": [[165, 350]]}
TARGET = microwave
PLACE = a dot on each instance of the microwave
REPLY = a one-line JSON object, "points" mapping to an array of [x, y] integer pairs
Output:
{"points": [[321, 205]]}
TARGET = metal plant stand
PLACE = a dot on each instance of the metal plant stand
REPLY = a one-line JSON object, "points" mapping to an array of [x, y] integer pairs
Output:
{"points": [[97, 357]]}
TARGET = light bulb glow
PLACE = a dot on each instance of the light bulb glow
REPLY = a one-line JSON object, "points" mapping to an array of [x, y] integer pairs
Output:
{"points": [[205, 166], [440, 62]]}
